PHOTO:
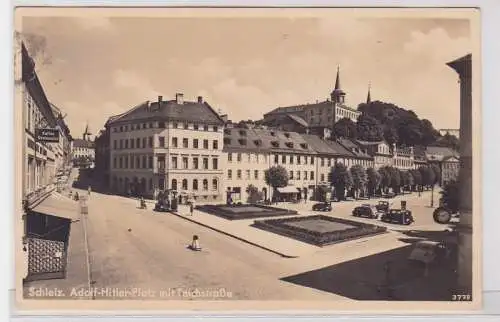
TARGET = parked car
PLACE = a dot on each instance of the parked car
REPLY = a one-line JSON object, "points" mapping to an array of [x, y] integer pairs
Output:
{"points": [[366, 211], [383, 206], [322, 206], [398, 216]]}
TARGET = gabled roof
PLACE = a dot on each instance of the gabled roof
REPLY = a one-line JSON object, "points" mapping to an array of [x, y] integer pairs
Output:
{"points": [[298, 108], [354, 148], [299, 120], [368, 143], [187, 112], [79, 143], [451, 158]]}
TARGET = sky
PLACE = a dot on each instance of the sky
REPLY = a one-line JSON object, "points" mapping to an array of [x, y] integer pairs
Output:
{"points": [[95, 67]]}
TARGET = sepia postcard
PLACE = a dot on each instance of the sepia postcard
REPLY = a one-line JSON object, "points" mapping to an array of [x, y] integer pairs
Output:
{"points": [[247, 160]]}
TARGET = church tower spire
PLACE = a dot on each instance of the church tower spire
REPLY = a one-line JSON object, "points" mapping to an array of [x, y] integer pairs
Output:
{"points": [[369, 97], [338, 95]]}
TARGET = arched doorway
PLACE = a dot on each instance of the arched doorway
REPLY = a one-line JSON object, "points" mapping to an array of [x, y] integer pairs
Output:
{"points": [[264, 193], [174, 184]]}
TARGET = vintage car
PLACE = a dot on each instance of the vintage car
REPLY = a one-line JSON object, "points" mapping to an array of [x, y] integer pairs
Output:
{"points": [[383, 206], [398, 216], [366, 211], [322, 206]]}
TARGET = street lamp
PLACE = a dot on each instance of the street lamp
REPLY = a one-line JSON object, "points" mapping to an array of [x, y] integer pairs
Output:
{"points": [[432, 196]]}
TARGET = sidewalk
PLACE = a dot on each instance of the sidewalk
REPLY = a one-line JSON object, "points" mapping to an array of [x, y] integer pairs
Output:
{"points": [[77, 265]]}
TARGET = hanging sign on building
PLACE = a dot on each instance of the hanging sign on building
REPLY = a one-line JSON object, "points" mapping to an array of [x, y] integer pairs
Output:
{"points": [[47, 135]]}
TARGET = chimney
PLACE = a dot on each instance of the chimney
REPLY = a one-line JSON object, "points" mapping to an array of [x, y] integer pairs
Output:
{"points": [[200, 99], [179, 98]]}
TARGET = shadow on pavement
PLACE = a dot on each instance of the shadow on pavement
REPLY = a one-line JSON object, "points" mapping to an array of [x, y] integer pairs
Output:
{"points": [[368, 279]]}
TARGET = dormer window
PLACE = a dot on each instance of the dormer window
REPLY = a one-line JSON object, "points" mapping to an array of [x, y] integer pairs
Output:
{"points": [[289, 145], [257, 142], [275, 144], [303, 146], [287, 135], [227, 141], [242, 141], [243, 133], [273, 133], [227, 131]]}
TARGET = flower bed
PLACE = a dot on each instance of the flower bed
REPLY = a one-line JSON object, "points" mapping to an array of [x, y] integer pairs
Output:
{"points": [[319, 238], [244, 211]]}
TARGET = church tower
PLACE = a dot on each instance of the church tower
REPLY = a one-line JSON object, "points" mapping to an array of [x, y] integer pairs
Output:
{"points": [[86, 133], [369, 96], [338, 95]]}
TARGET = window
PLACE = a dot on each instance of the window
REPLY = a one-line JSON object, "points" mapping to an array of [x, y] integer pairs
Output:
{"points": [[305, 175], [161, 140], [322, 177], [121, 144], [275, 144], [174, 162], [229, 174], [283, 159], [276, 158], [215, 185], [150, 162], [138, 143], [256, 174], [247, 174], [150, 125], [216, 145], [312, 160], [185, 162], [205, 163], [205, 184], [150, 141], [298, 175], [329, 161], [144, 162], [195, 163], [298, 159], [174, 184], [150, 184], [227, 141], [291, 159], [238, 157], [161, 125], [143, 143], [216, 129], [205, 127], [174, 142], [230, 157], [114, 162], [115, 144], [291, 175], [138, 162], [195, 143], [186, 126], [126, 144], [195, 184], [185, 143], [132, 143], [215, 164], [131, 161], [312, 175], [249, 157], [238, 174], [184, 184], [205, 144], [195, 127], [143, 125], [175, 125]]}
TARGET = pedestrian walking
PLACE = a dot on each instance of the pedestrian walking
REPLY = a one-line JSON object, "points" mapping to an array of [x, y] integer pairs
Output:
{"points": [[191, 208], [89, 190]]}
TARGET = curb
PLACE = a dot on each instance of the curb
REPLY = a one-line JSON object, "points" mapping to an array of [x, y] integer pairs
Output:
{"points": [[234, 236]]}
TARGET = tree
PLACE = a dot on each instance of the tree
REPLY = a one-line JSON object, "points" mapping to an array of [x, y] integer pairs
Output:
{"points": [[385, 177], [359, 179], [428, 176], [417, 178], [450, 196], [406, 178], [369, 128], [395, 179], [437, 173], [254, 194], [373, 180], [345, 128], [276, 177], [448, 140], [340, 180], [321, 192]]}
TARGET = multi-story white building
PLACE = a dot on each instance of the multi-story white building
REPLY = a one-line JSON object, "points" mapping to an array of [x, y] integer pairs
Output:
{"points": [[39, 159], [381, 152], [403, 158], [173, 145]]}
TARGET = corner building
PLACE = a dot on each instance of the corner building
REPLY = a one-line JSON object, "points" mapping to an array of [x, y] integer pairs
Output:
{"points": [[167, 145]]}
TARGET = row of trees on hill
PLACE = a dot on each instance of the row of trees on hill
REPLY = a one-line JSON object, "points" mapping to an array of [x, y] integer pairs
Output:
{"points": [[386, 121], [360, 182]]}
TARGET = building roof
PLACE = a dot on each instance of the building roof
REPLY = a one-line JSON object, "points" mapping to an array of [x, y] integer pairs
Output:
{"points": [[451, 158], [299, 120], [367, 143], [441, 150], [186, 111], [265, 140], [326, 147], [79, 143], [354, 148]]}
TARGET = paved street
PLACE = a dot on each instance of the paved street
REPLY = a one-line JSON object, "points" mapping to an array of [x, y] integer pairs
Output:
{"points": [[136, 249]]}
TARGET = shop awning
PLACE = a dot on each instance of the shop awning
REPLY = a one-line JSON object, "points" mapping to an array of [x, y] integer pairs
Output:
{"points": [[288, 189]]}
